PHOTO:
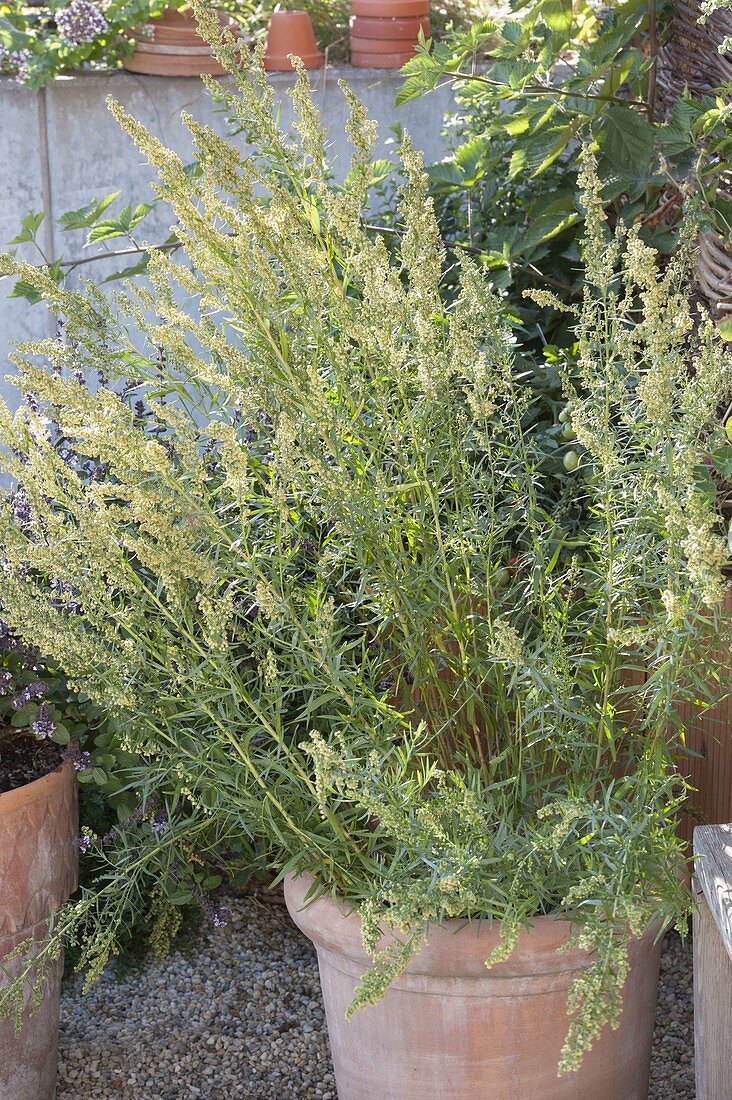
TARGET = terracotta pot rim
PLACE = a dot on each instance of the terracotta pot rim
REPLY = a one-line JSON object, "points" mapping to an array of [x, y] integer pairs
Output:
{"points": [[396, 30], [10, 801], [334, 928], [391, 9]]}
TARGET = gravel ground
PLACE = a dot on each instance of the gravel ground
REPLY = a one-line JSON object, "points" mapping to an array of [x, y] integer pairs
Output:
{"points": [[242, 1019]]}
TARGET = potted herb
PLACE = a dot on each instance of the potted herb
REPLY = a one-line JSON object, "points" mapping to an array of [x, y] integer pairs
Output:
{"points": [[38, 851], [336, 599], [37, 42]]}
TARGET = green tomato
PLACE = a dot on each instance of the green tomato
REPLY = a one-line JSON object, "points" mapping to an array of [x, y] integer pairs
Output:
{"points": [[571, 461], [568, 433], [565, 415], [728, 430]]}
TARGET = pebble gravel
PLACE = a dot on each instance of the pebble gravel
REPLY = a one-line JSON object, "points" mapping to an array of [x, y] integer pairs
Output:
{"points": [[240, 1017]]}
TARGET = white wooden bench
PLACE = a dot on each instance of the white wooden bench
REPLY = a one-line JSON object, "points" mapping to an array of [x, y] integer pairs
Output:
{"points": [[713, 962]]}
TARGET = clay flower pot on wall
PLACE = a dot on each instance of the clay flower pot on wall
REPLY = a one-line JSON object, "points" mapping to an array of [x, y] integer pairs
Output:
{"points": [[451, 1027], [291, 32], [172, 46], [384, 33], [38, 871]]}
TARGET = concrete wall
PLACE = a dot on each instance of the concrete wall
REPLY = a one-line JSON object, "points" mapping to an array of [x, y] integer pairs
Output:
{"points": [[60, 148]]}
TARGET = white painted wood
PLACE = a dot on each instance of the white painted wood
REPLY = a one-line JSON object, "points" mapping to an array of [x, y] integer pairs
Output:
{"points": [[713, 871], [713, 962]]}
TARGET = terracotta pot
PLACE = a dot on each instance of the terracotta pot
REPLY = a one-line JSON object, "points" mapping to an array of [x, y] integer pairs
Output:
{"points": [[390, 9], [451, 1027], [392, 30], [381, 46], [38, 871], [173, 47], [362, 59], [291, 32]]}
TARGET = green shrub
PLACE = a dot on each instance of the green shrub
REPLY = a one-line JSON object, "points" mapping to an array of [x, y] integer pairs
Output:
{"points": [[331, 603]]}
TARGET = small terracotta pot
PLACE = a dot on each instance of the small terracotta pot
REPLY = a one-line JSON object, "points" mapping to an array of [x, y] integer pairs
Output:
{"points": [[38, 871], [291, 32], [362, 59], [173, 47], [451, 1027], [392, 30], [390, 9]]}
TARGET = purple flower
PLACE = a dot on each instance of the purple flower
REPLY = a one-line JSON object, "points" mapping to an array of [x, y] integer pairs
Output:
{"points": [[83, 761], [36, 690], [159, 823], [80, 760], [80, 22], [6, 681], [221, 916], [15, 62], [22, 513], [44, 725], [83, 843]]}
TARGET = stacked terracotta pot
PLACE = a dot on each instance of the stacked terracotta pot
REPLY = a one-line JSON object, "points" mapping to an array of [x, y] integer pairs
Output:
{"points": [[384, 33], [172, 46]]}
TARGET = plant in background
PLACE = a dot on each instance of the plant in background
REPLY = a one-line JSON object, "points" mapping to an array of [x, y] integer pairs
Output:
{"points": [[558, 76], [38, 42], [330, 603]]}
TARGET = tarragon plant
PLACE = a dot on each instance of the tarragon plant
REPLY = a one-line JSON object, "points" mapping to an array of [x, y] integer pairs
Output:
{"points": [[325, 586]]}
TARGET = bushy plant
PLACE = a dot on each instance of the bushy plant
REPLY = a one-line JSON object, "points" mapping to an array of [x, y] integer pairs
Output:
{"points": [[530, 94], [331, 602]]}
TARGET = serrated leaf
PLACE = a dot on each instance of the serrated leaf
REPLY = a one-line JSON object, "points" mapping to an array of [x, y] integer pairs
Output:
{"points": [[129, 272], [557, 14], [21, 289], [106, 231], [30, 224], [722, 460], [87, 215], [626, 139]]}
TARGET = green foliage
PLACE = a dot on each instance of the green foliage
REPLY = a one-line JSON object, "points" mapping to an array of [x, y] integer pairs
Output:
{"points": [[560, 76], [327, 593], [28, 682], [101, 230], [33, 49]]}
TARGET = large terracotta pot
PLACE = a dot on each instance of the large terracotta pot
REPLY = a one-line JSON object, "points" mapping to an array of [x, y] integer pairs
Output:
{"points": [[451, 1027], [173, 47], [38, 872]]}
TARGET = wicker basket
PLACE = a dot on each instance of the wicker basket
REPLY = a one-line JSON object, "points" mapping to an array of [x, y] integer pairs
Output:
{"points": [[691, 59]]}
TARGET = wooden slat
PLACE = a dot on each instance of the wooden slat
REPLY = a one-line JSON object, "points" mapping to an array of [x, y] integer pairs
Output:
{"points": [[712, 1008], [713, 962], [709, 770], [713, 872]]}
